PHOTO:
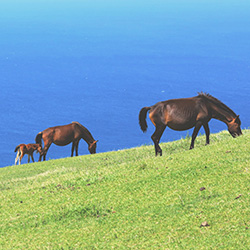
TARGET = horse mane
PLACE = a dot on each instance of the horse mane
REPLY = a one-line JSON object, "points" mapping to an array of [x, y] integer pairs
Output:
{"points": [[217, 102], [84, 129]]}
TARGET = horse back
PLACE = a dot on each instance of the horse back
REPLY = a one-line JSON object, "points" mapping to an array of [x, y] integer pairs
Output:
{"points": [[179, 114], [20, 147], [31, 147], [60, 135]]}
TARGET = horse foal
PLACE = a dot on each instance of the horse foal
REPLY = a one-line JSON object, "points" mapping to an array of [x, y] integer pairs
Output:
{"points": [[28, 149]]}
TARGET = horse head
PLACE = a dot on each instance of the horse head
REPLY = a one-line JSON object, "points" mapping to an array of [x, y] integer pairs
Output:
{"points": [[234, 127], [92, 147]]}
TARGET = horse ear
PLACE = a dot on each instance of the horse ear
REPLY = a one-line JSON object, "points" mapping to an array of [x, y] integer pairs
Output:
{"points": [[96, 141], [237, 119]]}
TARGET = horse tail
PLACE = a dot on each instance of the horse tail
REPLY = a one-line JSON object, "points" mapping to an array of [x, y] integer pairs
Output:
{"points": [[17, 147], [142, 118], [39, 138]]}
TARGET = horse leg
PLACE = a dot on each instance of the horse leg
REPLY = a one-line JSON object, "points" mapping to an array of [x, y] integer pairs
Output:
{"points": [[19, 160], [28, 158], [195, 133], [21, 157], [72, 149], [207, 131], [156, 138], [32, 157], [40, 157], [45, 150], [41, 154], [76, 147]]}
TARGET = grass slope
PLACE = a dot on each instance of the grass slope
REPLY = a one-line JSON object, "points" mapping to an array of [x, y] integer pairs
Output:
{"points": [[131, 199]]}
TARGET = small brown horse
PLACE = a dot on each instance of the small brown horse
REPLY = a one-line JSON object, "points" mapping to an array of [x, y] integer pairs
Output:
{"points": [[185, 113], [28, 149], [63, 135]]}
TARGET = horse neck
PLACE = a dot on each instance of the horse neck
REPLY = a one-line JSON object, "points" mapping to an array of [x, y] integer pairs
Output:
{"points": [[222, 114], [88, 139], [84, 133], [86, 136]]}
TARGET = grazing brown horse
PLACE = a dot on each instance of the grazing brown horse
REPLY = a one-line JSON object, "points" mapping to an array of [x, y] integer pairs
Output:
{"points": [[185, 113], [28, 149], [63, 135]]}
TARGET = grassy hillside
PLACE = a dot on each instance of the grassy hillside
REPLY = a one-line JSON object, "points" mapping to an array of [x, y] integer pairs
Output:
{"points": [[131, 199]]}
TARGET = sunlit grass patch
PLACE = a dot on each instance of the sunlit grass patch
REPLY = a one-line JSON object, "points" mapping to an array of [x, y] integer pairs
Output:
{"points": [[186, 199]]}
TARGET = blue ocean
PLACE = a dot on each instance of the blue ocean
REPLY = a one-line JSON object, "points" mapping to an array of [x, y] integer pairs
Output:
{"points": [[99, 62]]}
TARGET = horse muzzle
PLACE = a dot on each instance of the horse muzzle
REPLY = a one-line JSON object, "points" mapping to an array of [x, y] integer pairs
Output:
{"points": [[235, 134]]}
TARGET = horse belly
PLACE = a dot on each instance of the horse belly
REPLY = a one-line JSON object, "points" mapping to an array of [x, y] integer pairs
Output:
{"points": [[61, 143], [180, 127], [181, 124], [63, 138]]}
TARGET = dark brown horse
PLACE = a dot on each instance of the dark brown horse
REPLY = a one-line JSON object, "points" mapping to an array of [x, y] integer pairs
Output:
{"points": [[63, 135], [185, 113], [28, 149]]}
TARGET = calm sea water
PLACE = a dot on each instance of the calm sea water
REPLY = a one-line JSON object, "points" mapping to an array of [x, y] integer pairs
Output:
{"points": [[100, 62]]}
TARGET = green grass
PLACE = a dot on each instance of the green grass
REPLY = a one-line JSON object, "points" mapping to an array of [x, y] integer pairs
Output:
{"points": [[131, 199]]}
